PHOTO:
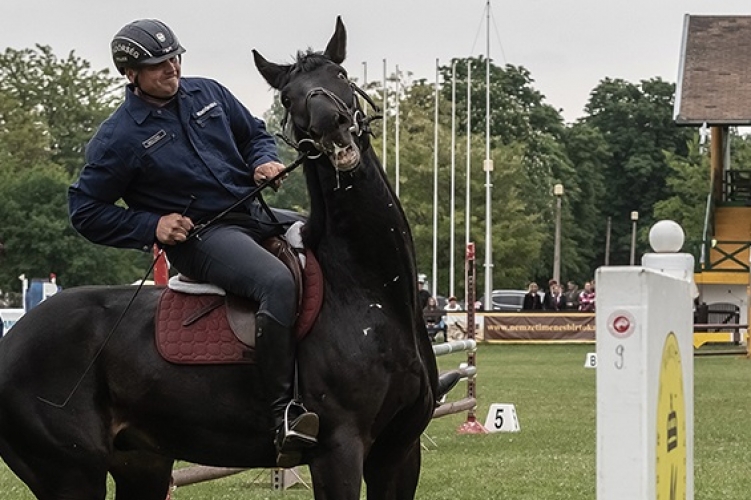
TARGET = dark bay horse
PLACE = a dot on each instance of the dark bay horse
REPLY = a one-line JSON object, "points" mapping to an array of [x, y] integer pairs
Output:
{"points": [[367, 367]]}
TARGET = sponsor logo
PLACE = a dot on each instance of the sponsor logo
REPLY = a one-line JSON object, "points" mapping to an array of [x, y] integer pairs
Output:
{"points": [[160, 36]]}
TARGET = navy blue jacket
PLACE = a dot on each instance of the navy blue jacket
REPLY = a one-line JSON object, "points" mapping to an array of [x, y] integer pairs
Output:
{"points": [[203, 146]]}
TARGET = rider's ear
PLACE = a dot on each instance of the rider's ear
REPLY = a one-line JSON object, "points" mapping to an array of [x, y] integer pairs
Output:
{"points": [[336, 50], [271, 72]]}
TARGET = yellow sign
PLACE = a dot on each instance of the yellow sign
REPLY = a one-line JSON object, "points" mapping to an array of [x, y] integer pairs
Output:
{"points": [[671, 425]]}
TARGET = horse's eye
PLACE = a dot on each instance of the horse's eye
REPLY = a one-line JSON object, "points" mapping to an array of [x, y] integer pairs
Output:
{"points": [[286, 101], [343, 76]]}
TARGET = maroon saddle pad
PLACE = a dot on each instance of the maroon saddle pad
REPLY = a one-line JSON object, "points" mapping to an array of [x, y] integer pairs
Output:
{"points": [[215, 329]]}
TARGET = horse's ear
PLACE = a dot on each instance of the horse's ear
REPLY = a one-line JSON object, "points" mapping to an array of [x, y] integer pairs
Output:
{"points": [[272, 73], [336, 50]]}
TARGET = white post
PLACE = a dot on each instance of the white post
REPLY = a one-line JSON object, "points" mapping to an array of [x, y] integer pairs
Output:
{"points": [[645, 389], [24, 290]]}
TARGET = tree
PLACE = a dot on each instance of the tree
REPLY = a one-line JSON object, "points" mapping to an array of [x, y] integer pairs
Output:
{"points": [[38, 239], [66, 98], [688, 182], [636, 123], [24, 139], [293, 195]]}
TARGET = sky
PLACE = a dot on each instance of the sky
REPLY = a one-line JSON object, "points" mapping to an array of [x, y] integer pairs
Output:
{"points": [[568, 46]]}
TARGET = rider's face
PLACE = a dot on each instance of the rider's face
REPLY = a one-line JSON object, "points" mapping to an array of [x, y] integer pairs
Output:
{"points": [[160, 80]]}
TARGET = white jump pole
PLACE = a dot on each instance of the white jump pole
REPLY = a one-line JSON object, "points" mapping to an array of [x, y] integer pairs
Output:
{"points": [[645, 390]]}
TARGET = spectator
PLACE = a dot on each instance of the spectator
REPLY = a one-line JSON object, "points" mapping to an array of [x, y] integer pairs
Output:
{"points": [[455, 323], [434, 320], [423, 294], [532, 300], [587, 298], [572, 296], [554, 300], [547, 299]]}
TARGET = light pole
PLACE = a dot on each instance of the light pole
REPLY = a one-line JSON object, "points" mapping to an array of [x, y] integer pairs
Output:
{"points": [[634, 219], [558, 192]]}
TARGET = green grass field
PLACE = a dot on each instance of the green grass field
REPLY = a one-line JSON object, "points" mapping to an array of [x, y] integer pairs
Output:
{"points": [[553, 457]]}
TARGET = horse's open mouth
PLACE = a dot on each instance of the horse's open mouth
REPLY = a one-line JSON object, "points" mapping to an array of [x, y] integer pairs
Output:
{"points": [[345, 157]]}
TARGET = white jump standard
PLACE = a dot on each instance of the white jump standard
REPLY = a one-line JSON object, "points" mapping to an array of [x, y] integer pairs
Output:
{"points": [[645, 392]]}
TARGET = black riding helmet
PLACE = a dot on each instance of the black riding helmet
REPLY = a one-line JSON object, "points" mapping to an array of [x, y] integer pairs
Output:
{"points": [[143, 43]]}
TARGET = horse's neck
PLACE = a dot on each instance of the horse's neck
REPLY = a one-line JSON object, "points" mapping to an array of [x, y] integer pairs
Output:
{"points": [[357, 216]]}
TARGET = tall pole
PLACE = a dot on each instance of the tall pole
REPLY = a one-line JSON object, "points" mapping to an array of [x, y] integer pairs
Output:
{"points": [[467, 214], [365, 74], [434, 289], [385, 114], [488, 167], [452, 232], [396, 126], [558, 192], [634, 219], [607, 241]]}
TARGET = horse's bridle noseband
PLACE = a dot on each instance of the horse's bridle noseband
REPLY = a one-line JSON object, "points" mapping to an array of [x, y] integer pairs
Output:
{"points": [[360, 121]]}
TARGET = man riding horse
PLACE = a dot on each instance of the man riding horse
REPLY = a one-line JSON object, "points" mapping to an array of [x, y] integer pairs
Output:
{"points": [[177, 152]]}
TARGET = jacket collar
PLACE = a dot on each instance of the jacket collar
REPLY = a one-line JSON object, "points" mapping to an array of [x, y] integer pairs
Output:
{"points": [[139, 109]]}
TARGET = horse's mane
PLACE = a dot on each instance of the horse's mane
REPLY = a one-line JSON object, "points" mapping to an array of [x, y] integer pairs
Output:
{"points": [[306, 61]]}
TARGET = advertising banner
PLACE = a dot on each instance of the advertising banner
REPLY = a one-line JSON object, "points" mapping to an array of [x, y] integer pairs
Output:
{"points": [[539, 326]]}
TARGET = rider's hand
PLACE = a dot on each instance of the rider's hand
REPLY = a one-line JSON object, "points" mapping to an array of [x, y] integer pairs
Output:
{"points": [[173, 228], [267, 171]]}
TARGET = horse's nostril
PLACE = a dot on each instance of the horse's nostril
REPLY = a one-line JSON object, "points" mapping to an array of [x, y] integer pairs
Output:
{"points": [[342, 120]]}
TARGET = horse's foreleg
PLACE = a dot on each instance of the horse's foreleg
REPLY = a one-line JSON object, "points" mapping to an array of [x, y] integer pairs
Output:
{"points": [[140, 475], [336, 467], [392, 471]]}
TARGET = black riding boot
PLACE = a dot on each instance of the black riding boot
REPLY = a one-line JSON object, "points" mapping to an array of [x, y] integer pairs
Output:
{"points": [[296, 428]]}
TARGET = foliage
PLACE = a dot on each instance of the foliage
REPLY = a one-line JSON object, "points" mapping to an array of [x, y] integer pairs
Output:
{"points": [[688, 182], [38, 240], [637, 125], [65, 96]]}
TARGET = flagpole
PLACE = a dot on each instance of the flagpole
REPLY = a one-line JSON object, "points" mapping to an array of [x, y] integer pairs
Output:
{"points": [[488, 167], [452, 244], [396, 126], [435, 187], [467, 214], [384, 135]]}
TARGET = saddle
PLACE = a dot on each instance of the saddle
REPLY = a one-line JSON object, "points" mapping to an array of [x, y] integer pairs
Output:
{"points": [[199, 323]]}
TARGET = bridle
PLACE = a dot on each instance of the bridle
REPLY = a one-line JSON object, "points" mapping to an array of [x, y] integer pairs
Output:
{"points": [[359, 119]]}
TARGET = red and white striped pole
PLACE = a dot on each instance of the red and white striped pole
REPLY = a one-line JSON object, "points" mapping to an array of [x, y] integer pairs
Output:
{"points": [[471, 426]]}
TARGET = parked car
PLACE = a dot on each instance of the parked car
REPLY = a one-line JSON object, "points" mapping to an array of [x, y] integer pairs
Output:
{"points": [[508, 300]]}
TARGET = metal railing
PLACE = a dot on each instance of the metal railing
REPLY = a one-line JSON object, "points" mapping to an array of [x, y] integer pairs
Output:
{"points": [[736, 186]]}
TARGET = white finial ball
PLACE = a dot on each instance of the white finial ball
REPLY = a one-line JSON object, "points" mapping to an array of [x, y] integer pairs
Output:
{"points": [[666, 236]]}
